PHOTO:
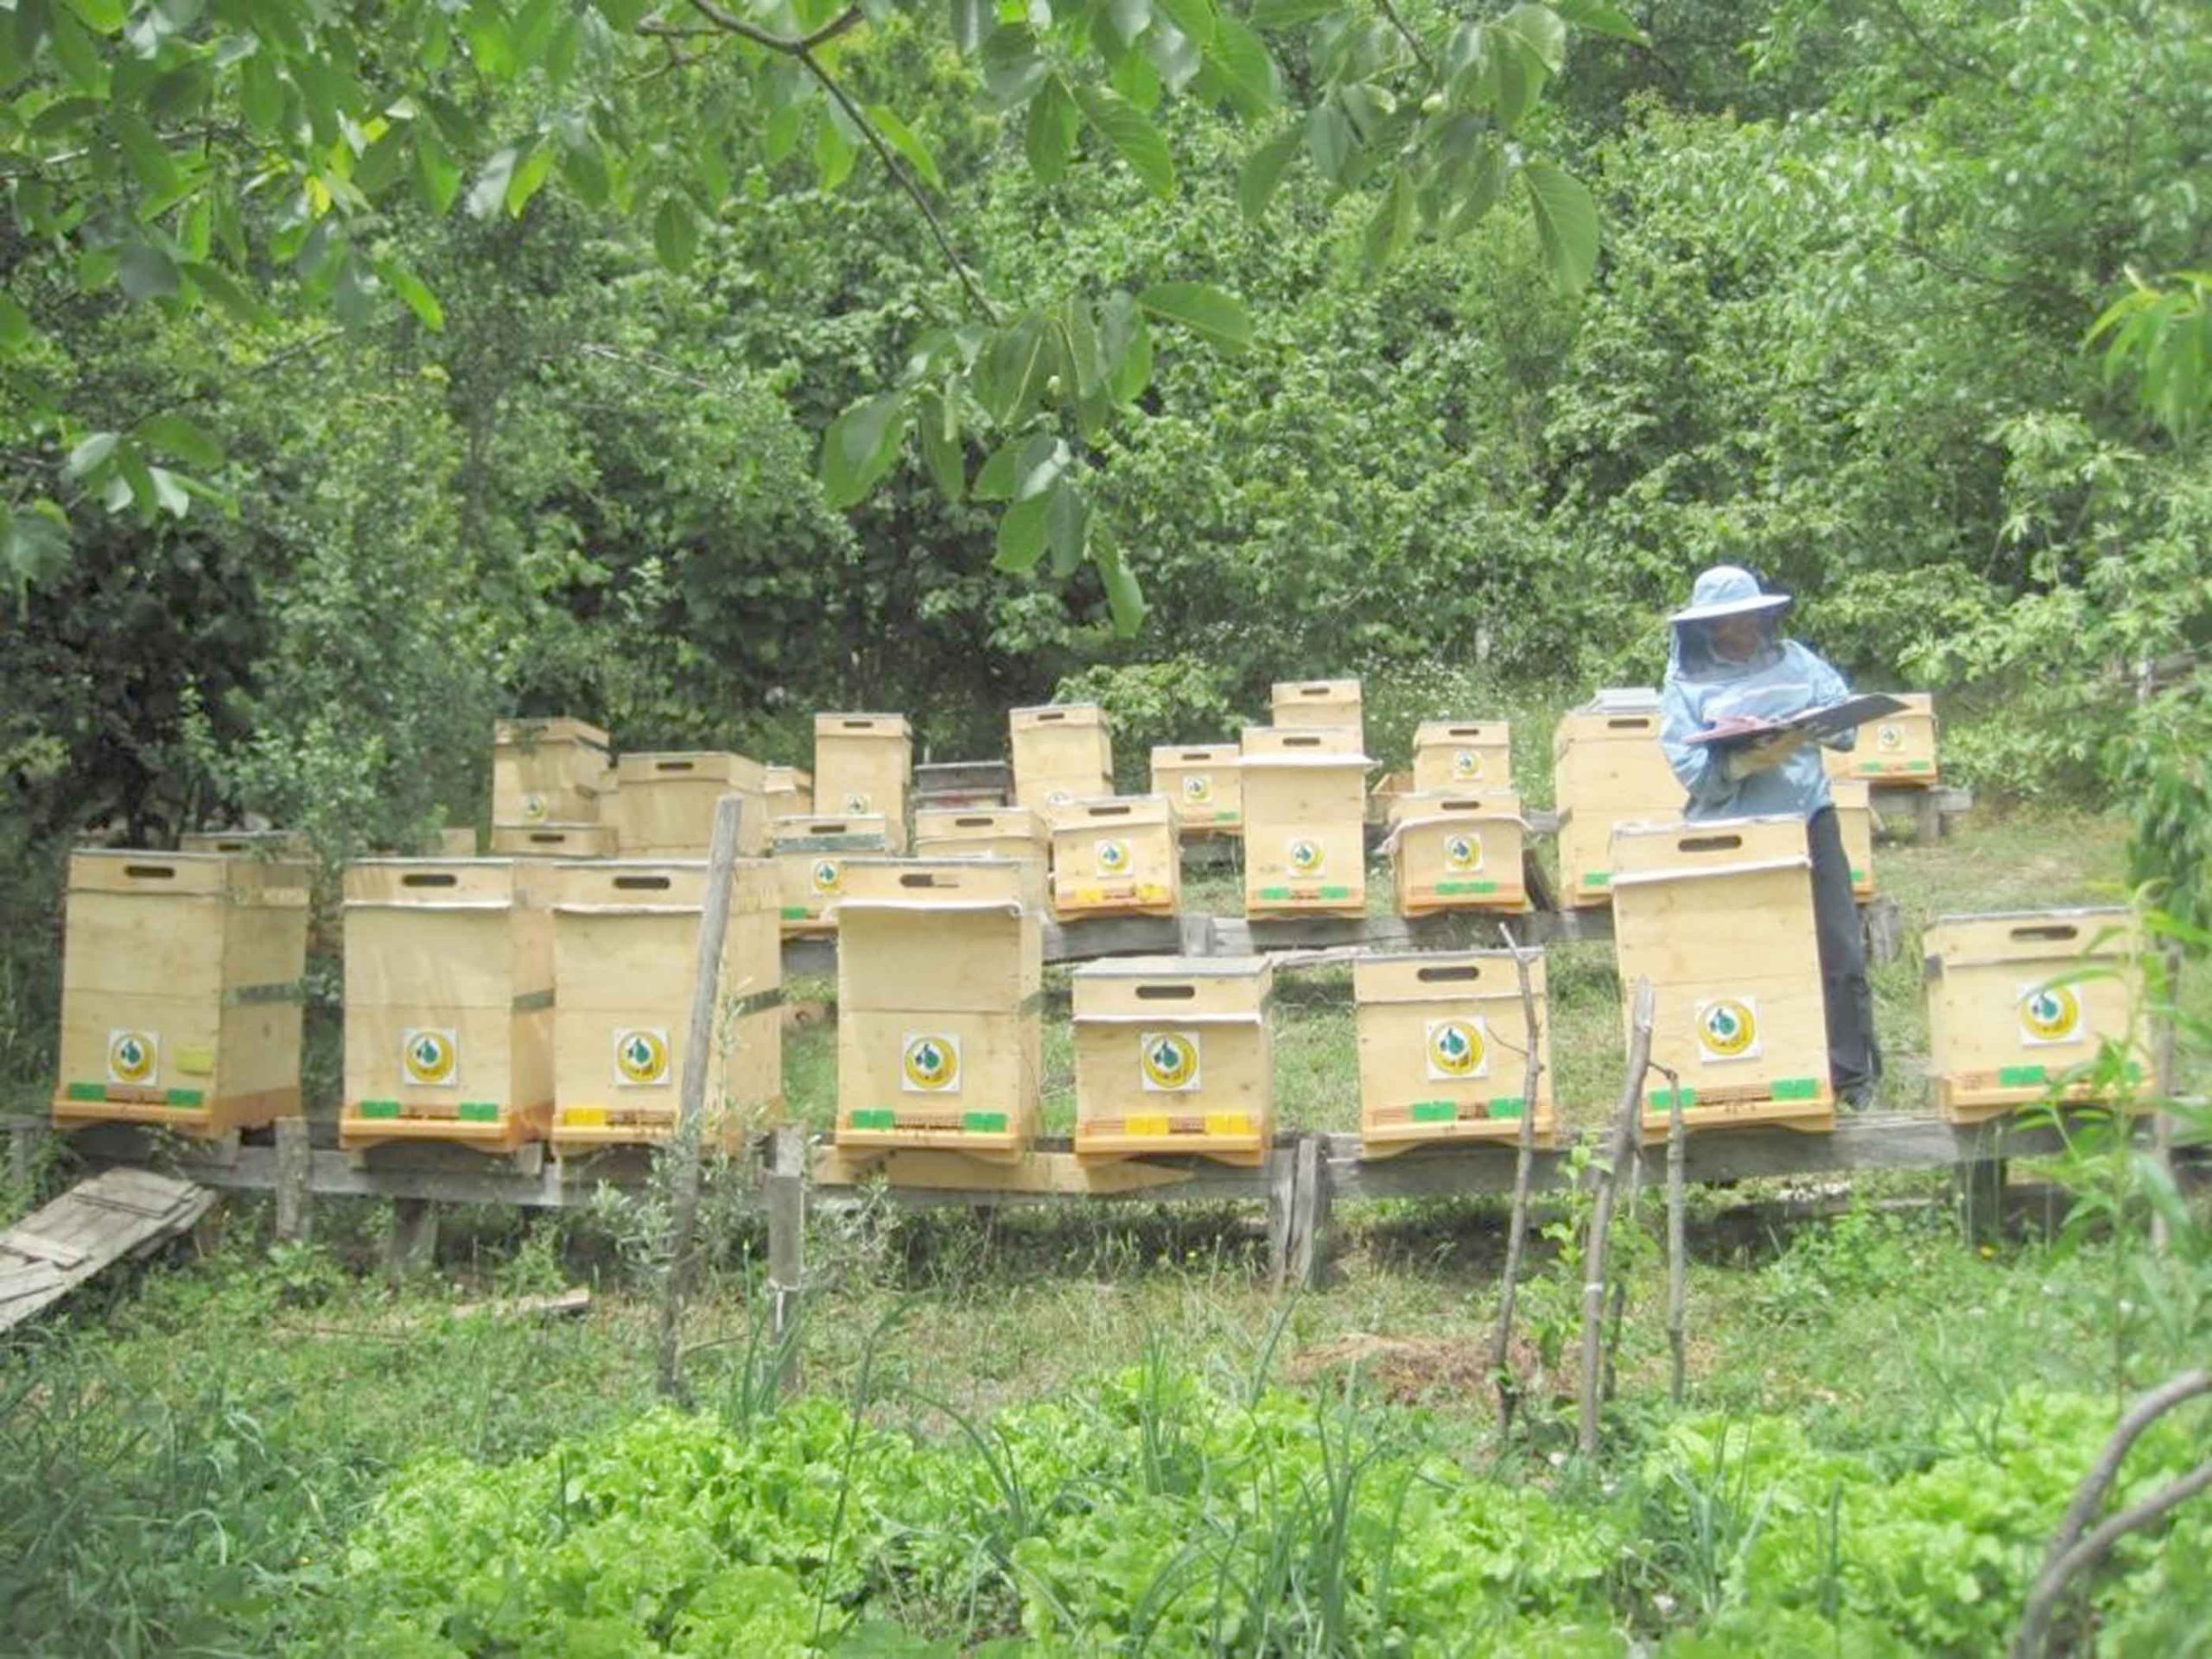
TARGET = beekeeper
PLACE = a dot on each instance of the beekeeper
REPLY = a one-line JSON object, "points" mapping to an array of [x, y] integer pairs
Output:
{"points": [[1729, 661]]}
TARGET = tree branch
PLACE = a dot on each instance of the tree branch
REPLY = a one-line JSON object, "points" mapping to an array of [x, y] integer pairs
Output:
{"points": [[1421, 54], [791, 46]]}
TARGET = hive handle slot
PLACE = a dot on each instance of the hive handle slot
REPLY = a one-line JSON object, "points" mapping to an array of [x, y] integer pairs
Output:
{"points": [[1463, 731], [1301, 742], [1313, 690], [1107, 811], [1041, 719], [1458, 805], [1709, 843], [646, 883], [829, 830], [672, 765], [1627, 724], [1166, 993], [973, 823], [860, 725], [927, 879], [150, 872], [431, 879], [2048, 930], [1200, 755], [1446, 975], [548, 837]]}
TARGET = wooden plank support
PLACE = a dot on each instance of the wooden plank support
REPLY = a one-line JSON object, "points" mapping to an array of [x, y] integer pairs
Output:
{"points": [[295, 1181], [27, 1139], [784, 1189], [413, 1247], [1308, 1265], [1281, 1172]]}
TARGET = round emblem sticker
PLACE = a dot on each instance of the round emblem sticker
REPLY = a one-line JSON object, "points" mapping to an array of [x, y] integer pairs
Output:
{"points": [[1113, 857], [533, 808], [1305, 856], [1888, 737], [1728, 1030], [825, 875], [1058, 797], [2050, 1013], [133, 1056], [1197, 788], [641, 1057], [1456, 1049], [429, 1059], [1168, 1061], [855, 800], [1467, 763], [1462, 853], [931, 1065]]}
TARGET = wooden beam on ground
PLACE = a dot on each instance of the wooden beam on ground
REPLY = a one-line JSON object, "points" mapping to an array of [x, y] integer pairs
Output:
{"points": [[117, 1214]]}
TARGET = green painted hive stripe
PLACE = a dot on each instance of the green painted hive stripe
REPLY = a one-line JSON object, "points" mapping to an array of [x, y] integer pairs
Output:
{"points": [[1336, 892], [984, 1122], [1275, 892], [2019, 1076], [1915, 765], [1506, 1106], [1435, 1111], [794, 912], [1224, 817], [2133, 1071], [1599, 879], [480, 1111], [1797, 1089], [1466, 887], [185, 1097], [88, 1091], [873, 1118], [376, 1109], [1858, 877], [1663, 1099]]}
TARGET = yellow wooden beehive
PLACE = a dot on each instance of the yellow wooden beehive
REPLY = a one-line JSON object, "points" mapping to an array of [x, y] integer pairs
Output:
{"points": [[789, 790], [626, 942], [1321, 705], [1855, 819], [547, 839], [809, 859], [1173, 1054], [1607, 769], [981, 832], [1444, 1049], [1118, 856], [180, 990], [558, 769], [1460, 852], [2018, 1002], [663, 804], [1467, 757], [448, 1002], [1387, 798], [1202, 784], [940, 987], [863, 764], [456, 841], [1897, 748], [1304, 824], [1718, 915], [1062, 752]]}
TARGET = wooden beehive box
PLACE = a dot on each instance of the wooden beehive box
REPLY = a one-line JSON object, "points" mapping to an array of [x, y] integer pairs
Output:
{"points": [[809, 860], [1173, 1055], [1304, 824], [1718, 915], [1387, 798], [448, 1002], [1467, 757], [290, 846], [1899, 749], [981, 832], [626, 941], [1608, 770], [1062, 752], [862, 765], [663, 804], [1444, 1049], [940, 983], [1331, 706], [456, 841], [1202, 784], [1119, 856], [2018, 1001], [790, 791], [550, 840], [1460, 852], [180, 990], [558, 769], [1855, 819]]}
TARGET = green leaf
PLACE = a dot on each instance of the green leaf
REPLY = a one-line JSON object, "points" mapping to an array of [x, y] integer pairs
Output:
{"points": [[37, 544], [169, 494], [174, 434], [1020, 541], [416, 292], [1599, 18], [1263, 170], [1330, 140], [1567, 222], [220, 286], [1289, 13], [1044, 461], [676, 233], [1012, 70], [1539, 28], [1079, 335], [1134, 137], [528, 178], [1392, 225], [148, 160], [1124, 597], [91, 453], [1194, 18], [146, 272], [903, 140], [1067, 522], [437, 176], [1125, 342], [859, 447], [1204, 309], [1129, 19], [101, 16], [938, 425], [15, 323], [834, 153], [1049, 134], [490, 190], [1174, 56], [972, 20], [1012, 370], [1242, 56], [995, 480]]}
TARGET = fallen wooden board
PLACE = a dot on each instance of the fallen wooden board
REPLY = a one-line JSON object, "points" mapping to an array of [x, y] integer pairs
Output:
{"points": [[117, 1214]]}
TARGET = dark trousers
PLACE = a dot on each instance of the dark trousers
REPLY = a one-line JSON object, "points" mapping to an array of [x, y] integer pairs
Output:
{"points": [[1855, 1061]]}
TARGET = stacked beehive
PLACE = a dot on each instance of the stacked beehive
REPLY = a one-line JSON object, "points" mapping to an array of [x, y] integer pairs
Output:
{"points": [[1608, 769], [1062, 752], [1173, 1055], [1444, 1041], [548, 774], [862, 765], [1204, 785], [1116, 856], [1454, 852], [1305, 822]]}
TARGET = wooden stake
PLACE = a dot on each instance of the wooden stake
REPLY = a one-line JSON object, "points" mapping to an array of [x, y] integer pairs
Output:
{"points": [[786, 1196], [691, 1099], [1524, 1164], [295, 1181], [1678, 1267], [1621, 1150], [1309, 1237], [2165, 1075]]}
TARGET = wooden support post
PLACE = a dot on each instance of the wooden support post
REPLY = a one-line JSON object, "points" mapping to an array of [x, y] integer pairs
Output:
{"points": [[1678, 1262], [26, 1138], [1524, 1159], [1309, 1235], [1927, 817], [295, 1181], [414, 1245], [1884, 921], [1979, 1183], [1282, 1204], [1622, 1152], [787, 1200]]}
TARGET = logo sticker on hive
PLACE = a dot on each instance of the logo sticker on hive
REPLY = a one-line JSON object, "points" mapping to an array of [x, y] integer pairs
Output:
{"points": [[640, 1057], [1058, 797], [1305, 856], [429, 1059], [826, 876], [1888, 737], [134, 1058], [2050, 1013], [1467, 763], [1168, 1061], [533, 809], [855, 800], [1728, 1029], [1463, 852], [1197, 788], [1113, 857], [1457, 1049], [930, 1064]]}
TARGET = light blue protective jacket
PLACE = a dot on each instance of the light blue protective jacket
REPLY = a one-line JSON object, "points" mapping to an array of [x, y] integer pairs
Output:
{"points": [[1780, 679]]}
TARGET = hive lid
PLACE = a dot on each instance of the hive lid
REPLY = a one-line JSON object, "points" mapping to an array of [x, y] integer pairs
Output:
{"points": [[1624, 700], [1172, 967], [1339, 758], [1444, 733], [1058, 714], [853, 724], [1194, 755]]}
